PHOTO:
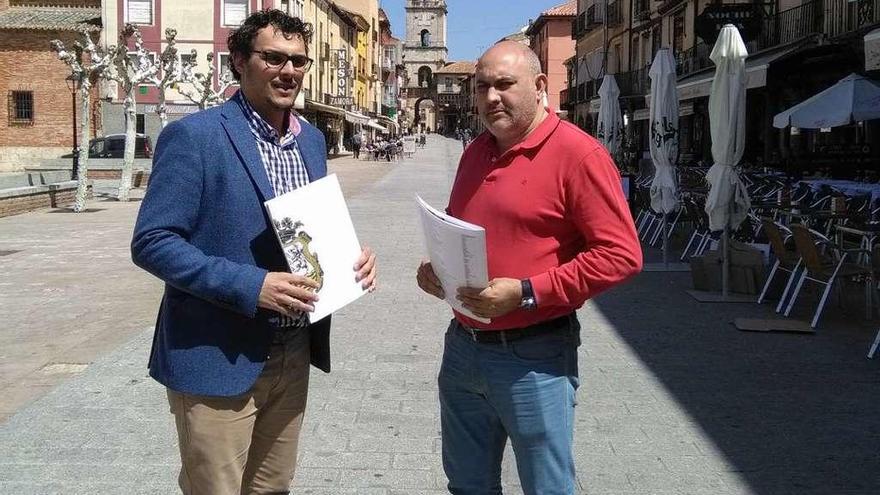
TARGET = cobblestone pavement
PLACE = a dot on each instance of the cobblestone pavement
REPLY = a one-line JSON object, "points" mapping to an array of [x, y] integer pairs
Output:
{"points": [[673, 400]]}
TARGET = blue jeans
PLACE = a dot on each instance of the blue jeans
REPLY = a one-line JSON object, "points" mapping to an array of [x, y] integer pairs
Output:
{"points": [[524, 390]]}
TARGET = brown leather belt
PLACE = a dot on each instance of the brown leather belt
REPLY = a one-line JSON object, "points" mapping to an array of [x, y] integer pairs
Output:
{"points": [[500, 336]]}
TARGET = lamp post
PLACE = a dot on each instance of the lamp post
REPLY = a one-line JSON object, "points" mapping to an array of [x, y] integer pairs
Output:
{"points": [[73, 86]]}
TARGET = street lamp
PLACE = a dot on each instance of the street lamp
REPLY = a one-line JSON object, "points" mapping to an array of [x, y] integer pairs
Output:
{"points": [[73, 85]]}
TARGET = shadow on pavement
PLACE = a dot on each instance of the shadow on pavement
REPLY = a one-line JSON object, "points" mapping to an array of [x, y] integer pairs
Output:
{"points": [[791, 413]]}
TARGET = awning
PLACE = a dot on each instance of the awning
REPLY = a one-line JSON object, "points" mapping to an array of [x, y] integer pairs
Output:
{"points": [[700, 84], [375, 125], [356, 118], [394, 126], [314, 105]]}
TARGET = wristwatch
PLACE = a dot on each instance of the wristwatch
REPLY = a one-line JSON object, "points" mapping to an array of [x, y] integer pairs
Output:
{"points": [[527, 302]]}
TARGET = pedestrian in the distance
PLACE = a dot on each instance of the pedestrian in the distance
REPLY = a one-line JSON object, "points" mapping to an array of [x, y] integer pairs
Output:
{"points": [[233, 342], [558, 232], [356, 141]]}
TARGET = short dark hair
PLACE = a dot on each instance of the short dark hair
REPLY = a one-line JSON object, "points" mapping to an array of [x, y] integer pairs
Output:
{"points": [[241, 40]]}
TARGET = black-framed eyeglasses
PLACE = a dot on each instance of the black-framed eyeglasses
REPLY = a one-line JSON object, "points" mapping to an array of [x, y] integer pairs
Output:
{"points": [[277, 60]]}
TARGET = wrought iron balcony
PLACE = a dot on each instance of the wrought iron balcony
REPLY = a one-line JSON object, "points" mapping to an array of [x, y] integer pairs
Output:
{"points": [[641, 10], [634, 82], [692, 59]]}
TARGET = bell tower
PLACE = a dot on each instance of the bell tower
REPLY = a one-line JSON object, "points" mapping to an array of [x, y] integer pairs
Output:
{"points": [[424, 52]]}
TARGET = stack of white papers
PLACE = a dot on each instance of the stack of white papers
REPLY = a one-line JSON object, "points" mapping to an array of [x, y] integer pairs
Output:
{"points": [[318, 239], [457, 250]]}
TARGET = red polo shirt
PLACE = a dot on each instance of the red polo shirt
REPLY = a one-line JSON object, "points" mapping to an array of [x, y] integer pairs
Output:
{"points": [[554, 212]]}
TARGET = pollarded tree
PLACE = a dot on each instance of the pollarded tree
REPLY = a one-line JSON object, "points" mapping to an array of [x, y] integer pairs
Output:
{"points": [[201, 90], [130, 72], [169, 73], [86, 62]]}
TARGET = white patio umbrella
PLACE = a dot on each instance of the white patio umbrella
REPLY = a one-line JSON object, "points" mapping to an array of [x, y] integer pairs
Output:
{"points": [[664, 138], [610, 129], [728, 201], [852, 99]]}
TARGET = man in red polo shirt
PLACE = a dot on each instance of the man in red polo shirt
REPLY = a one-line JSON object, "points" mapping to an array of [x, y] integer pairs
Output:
{"points": [[558, 232]]}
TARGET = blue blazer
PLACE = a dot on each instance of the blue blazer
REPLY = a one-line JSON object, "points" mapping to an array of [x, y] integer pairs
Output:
{"points": [[203, 230]]}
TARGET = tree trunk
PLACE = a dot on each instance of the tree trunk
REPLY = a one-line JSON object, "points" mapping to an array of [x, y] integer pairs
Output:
{"points": [[128, 156], [82, 181], [160, 107]]}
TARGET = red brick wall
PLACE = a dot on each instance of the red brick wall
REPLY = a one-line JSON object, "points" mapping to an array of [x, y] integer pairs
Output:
{"points": [[31, 202], [27, 63]]}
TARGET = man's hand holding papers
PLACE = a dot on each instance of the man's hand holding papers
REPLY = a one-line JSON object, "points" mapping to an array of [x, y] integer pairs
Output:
{"points": [[457, 250]]}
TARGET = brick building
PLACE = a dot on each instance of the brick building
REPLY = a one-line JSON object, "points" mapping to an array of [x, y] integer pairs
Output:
{"points": [[37, 120], [550, 38]]}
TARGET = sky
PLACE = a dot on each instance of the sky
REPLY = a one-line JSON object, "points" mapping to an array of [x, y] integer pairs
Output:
{"points": [[474, 25]]}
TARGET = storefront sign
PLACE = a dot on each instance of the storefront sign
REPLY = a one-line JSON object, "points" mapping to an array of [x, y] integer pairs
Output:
{"points": [[745, 16], [342, 70], [341, 101]]}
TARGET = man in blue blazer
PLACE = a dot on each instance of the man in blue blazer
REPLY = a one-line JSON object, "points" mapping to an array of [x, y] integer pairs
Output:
{"points": [[232, 344]]}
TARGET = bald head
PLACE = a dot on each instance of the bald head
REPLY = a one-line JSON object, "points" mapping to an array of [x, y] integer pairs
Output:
{"points": [[509, 91], [512, 49]]}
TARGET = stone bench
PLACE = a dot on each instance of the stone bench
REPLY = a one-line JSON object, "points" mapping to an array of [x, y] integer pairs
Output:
{"points": [[33, 178], [21, 199]]}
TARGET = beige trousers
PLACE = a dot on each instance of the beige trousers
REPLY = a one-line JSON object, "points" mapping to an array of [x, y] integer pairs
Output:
{"points": [[245, 444]]}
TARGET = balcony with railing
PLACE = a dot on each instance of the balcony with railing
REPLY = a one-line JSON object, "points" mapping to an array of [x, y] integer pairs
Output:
{"points": [[641, 10], [563, 99], [634, 83], [577, 25], [594, 18], [832, 18], [692, 59], [431, 44]]}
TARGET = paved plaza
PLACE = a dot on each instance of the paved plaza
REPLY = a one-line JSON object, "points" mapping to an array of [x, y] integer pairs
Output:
{"points": [[674, 400]]}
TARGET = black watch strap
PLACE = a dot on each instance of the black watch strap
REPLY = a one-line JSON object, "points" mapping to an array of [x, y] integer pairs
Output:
{"points": [[528, 296]]}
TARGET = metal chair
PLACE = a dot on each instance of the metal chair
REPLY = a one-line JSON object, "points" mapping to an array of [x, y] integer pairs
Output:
{"points": [[819, 269], [786, 260]]}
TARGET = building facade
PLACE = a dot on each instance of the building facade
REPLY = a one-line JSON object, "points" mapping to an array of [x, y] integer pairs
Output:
{"points": [[796, 49], [550, 38], [36, 123], [453, 98], [392, 73], [340, 94]]}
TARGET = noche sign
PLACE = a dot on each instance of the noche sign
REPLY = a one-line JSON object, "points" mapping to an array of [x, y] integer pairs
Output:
{"points": [[746, 17]]}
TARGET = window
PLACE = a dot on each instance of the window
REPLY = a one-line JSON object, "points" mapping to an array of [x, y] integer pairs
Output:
{"points": [[234, 12], [139, 11], [678, 33], [425, 37], [139, 123], [297, 8], [223, 66], [21, 107]]}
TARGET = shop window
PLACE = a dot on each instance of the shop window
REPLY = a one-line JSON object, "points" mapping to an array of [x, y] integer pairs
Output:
{"points": [[21, 107]]}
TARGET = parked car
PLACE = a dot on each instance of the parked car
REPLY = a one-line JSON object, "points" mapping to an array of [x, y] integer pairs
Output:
{"points": [[113, 146]]}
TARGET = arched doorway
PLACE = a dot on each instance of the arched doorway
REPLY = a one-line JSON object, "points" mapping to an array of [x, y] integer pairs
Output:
{"points": [[423, 118]]}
